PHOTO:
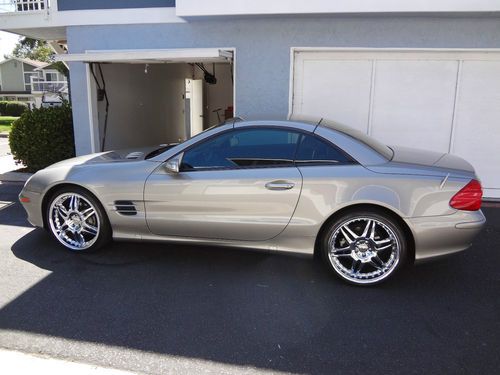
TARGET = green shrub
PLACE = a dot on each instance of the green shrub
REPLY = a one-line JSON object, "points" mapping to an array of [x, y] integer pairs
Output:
{"points": [[42, 137], [3, 106], [15, 109]]}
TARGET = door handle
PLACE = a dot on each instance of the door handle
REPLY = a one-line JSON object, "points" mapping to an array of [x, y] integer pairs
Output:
{"points": [[279, 185]]}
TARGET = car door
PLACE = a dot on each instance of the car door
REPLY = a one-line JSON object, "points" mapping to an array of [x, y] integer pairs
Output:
{"points": [[238, 185]]}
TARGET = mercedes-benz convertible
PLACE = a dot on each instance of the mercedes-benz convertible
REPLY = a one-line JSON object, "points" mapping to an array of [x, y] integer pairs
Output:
{"points": [[311, 187]]}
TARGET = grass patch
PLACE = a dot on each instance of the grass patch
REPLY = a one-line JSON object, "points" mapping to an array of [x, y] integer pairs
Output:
{"points": [[6, 122]]}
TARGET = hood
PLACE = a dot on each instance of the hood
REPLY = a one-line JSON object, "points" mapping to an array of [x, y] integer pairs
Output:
{"points": [[116, 156]]}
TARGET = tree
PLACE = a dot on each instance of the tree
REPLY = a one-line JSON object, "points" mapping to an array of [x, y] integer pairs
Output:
{"points": [[34, 49]]}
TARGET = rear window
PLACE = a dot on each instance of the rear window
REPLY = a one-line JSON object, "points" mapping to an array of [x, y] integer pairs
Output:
{"points": [[313, 150]]}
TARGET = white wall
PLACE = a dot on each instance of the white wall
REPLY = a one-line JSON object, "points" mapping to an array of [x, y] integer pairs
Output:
{"points": [[190, 8], [145, 109]]}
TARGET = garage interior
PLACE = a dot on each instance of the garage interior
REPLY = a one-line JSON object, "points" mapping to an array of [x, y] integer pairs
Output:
{"points": [[143, 102]]}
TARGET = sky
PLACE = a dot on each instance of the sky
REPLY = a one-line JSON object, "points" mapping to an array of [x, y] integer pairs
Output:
{"points": [[7, 43]]}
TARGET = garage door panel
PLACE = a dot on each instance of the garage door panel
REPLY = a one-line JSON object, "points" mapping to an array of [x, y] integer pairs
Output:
{"points": [[447, 101], [338, 90], [477, 121], [413, 103]]}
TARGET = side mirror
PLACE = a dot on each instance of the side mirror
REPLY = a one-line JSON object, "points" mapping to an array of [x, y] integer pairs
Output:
{"points": [[173, 165]]}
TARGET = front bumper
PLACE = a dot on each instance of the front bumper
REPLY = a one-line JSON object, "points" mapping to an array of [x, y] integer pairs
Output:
{"points": [[436, 236], [32, 203]]}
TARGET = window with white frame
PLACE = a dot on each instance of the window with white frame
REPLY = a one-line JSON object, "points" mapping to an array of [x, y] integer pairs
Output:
{"points": [[27, 79], [30, 5], [51, 76]]}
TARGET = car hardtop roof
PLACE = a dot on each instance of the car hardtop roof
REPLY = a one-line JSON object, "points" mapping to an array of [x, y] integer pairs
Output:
{"points": [[311, 124], [309, 121], [285, 123], [305, 123]]}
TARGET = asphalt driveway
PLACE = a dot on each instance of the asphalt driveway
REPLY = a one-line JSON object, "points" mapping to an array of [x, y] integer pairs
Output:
{"points": [[158, 308]]}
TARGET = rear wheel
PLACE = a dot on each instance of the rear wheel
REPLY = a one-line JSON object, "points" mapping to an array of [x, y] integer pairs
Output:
{"points": [[77, 220], [364, 247]]}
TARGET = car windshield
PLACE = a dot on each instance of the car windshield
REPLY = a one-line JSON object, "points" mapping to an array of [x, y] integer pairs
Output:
{"points": [[160, 150], [164, 148], [381, 148]]}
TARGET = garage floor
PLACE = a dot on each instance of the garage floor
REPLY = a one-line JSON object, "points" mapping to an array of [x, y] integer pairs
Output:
{"points": [[172, 309]]}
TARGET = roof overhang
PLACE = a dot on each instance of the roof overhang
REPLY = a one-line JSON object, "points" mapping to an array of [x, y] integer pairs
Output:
{"points": [[151, 56], [25, 61]]}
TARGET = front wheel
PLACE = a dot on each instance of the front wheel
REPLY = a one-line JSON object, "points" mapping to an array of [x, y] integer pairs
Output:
{"points": [[77, 220], [364, 248]]}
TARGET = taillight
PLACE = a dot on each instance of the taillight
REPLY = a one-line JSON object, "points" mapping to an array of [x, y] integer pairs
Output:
{"points": [[469, 197]]}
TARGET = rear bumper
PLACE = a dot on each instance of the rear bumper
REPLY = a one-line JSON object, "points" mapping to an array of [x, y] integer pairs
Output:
{"points": [[437, 236]]}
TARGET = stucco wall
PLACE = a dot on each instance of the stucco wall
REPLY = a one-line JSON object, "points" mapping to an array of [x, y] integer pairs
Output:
{"points": [[262, 67]]}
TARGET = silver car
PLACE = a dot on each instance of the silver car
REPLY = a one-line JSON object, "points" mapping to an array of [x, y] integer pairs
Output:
{"points": [[311, 187]]}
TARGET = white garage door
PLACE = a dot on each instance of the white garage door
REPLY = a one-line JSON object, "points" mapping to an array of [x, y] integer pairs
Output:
{"points": [[443, 101]]}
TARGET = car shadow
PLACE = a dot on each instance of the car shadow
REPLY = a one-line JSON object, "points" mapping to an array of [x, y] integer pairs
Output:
{"points": [[270, 311], [12, 213]]}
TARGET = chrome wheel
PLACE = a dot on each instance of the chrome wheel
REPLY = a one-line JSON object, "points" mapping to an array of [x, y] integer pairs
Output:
{"points": [[74, 221], [364, 250]]}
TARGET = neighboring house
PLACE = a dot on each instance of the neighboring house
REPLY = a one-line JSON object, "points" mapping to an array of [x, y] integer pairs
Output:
{"points": [[416, 73], [32, 82], [15, 79]]}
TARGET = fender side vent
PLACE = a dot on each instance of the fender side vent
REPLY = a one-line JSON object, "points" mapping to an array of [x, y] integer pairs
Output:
{"points": [[126, 208]]}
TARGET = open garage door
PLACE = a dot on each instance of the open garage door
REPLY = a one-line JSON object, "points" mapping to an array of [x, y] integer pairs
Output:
{"points": [[150, 97], [443, 101], [156, 56]]}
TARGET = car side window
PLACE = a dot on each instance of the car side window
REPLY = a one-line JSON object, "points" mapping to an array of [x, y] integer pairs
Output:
{"points": [[244, 148], [313, 150]]}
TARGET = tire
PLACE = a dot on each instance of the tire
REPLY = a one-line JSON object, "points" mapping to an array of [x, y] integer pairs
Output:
{"points": [[77, 220], [364, 247]]}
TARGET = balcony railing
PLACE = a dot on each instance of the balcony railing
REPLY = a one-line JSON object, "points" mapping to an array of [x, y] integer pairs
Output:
{"points": [[22, 6], [49, 86]]}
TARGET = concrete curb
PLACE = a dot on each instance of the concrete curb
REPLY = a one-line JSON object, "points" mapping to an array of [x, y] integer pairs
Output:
{"points": [[15, 177], [23, 363]]}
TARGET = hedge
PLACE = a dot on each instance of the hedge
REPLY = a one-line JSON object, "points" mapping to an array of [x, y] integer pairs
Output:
{"points": [[15, 109], [43, 136]]}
